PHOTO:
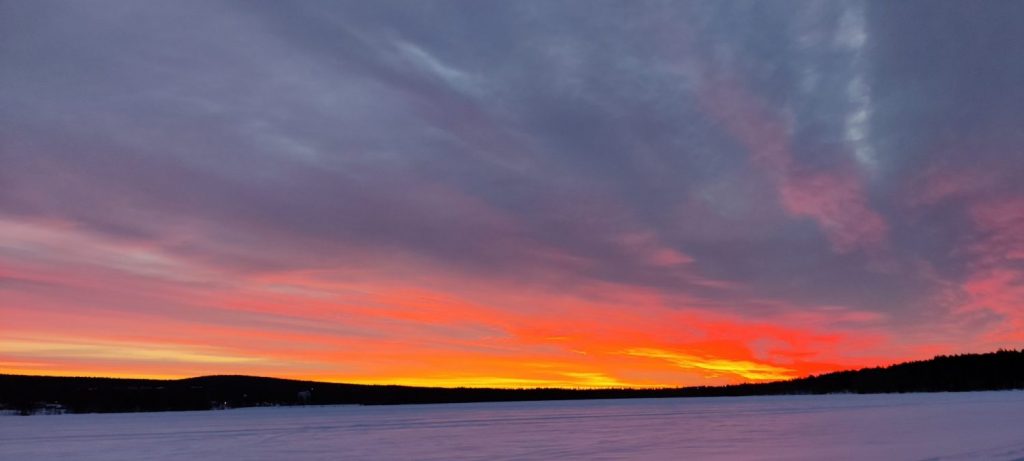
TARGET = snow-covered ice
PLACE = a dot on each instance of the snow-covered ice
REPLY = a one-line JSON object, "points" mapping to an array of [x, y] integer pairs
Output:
{"points": [[979, 425]]}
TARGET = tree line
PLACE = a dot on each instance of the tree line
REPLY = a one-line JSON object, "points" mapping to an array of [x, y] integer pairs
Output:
{"points": [[1003, 369]]}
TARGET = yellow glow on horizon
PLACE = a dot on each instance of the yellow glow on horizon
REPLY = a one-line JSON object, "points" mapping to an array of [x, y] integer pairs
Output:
{"points": [[117, 351], [77, 373], [571, 380], [747, 369]]}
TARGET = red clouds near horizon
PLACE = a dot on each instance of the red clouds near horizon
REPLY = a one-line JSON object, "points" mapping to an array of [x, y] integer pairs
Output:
{"points": [[132, 313]]}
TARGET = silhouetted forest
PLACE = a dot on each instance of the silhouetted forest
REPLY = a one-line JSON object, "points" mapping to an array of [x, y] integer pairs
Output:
{"points": [[31, 394]]}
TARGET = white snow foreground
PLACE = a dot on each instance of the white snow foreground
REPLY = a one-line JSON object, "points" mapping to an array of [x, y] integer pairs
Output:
{"points": [[943, 426]]}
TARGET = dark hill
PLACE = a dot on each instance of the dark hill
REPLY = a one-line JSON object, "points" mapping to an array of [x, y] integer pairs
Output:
{"points": [[26, 394]]}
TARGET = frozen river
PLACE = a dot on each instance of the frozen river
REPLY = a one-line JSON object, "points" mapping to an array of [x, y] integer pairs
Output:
{"points": [[980, 425]]}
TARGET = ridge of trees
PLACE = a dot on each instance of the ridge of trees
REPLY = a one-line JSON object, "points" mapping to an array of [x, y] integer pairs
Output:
{"points": [[1000, 370]]}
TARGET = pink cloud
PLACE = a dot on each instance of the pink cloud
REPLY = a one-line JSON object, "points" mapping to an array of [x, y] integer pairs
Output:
{"points": [[837, 203], [835, 200], [648, 247], [996, 283], [1002, 224], [939, 184]]}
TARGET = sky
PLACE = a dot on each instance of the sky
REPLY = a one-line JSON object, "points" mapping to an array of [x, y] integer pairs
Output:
{"points": [[516, 194]]}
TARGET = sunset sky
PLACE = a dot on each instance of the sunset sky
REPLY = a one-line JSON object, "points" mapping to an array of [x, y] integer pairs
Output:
{"points": [[508, 193]]}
